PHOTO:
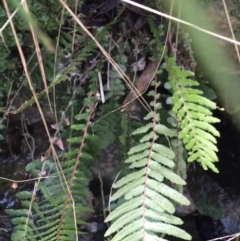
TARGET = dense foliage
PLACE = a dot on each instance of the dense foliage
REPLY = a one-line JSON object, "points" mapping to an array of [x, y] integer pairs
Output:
{"points": [[88, 90]]}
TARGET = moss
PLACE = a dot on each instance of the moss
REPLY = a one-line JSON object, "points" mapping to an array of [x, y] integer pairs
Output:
{"points": [[210, 208]]}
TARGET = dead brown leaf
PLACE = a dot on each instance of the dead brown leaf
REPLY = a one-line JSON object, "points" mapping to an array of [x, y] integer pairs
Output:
{"points": [[58, 142], [143, 82]]}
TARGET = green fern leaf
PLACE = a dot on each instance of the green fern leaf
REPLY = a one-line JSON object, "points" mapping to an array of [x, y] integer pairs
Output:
{"points": [[168, 229], [139, 148], [151, 212], [162, 159], [167, 218], [171, 176], [78, 127], [193, 112], [150, 115], [123, 208], [143, 129], [127, 188], [161, 129], [163, 150], [154, 205], [153, 237], [151, 135], [137, 191], [136, 157], [167, 191], [130, 177]]}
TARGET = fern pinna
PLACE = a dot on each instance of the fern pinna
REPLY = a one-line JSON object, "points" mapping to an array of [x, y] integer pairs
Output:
{"points": [[147, 209], [193, 111]]}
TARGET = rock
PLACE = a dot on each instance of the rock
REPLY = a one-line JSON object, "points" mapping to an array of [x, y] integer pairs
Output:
{"points": [[213, 201]]}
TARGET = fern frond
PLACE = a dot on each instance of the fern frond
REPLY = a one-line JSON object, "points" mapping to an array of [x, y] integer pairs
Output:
{"points": [[193, 111], [146, 209], [61, 208]]}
